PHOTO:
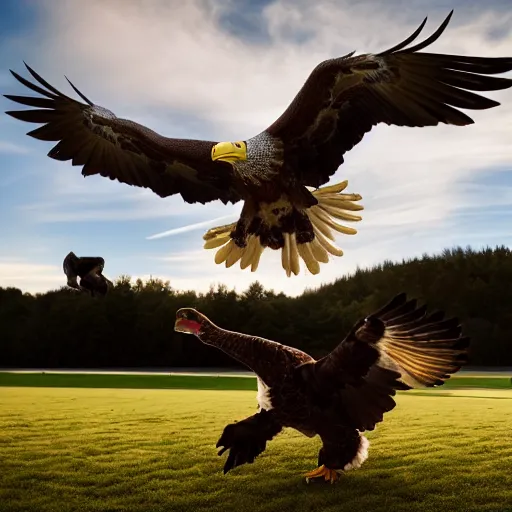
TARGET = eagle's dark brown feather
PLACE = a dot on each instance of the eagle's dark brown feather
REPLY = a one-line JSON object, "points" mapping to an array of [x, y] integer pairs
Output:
{"points": [[248, 438], [344, 98], [94, 138], [264, 357], [398, 347]]}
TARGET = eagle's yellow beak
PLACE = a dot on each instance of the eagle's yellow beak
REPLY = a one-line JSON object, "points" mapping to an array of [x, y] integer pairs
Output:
{"points": [[229, 151]]}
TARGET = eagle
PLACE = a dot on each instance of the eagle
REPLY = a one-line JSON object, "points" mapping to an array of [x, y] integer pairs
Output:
{"points": [[89, 269], [341, 395], [280, 173]]}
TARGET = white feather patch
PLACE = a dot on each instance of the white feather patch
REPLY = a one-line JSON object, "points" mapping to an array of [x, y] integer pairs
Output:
{"points": [[263, 396], [361, 455]]}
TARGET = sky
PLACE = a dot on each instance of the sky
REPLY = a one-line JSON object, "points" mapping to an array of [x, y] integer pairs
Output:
{"points": [[225, 70]]}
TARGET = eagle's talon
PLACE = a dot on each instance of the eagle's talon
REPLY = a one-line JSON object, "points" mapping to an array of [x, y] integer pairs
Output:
{"points": [[330, 475]]}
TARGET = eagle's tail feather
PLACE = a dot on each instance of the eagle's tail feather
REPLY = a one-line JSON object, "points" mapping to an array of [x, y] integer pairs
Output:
{"points": [[229, 252], [332, 205]]}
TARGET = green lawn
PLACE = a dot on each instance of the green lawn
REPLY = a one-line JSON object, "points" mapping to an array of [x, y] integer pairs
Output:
{"points": [[72, 449], [81, 380], [478, 382]]}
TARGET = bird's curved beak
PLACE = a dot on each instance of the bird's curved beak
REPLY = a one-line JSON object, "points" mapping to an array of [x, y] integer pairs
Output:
{"points": [[229, 151]]}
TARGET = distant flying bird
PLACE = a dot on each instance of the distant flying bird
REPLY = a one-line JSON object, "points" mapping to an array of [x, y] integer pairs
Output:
{"points": [[277, 173], [89, 269], [341, 395]]}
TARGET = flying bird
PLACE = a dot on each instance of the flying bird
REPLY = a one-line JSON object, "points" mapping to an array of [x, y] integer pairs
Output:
{"points": [[341, 395], [279, 173], [89, 269]]}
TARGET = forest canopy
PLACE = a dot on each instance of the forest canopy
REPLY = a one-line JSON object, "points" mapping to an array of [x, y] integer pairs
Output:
{"points": [[133, 325]]}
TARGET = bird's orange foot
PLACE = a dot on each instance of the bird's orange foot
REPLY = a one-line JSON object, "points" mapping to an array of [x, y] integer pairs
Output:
{"points": [[330, 475]]}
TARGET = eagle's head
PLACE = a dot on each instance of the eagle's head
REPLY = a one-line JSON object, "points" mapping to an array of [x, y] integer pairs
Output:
{"points": [[230, 151], [189, 321]]}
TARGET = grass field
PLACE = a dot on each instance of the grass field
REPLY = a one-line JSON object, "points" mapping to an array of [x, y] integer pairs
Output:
{"points": [[124, 381], [134, 381], [82, 449]]}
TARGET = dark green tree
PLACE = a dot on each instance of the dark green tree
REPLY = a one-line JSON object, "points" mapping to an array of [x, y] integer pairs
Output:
{"points": [[133, 325]]}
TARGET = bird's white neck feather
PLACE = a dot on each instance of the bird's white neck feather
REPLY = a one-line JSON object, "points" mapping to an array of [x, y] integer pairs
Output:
{"points": [[263, 396]]}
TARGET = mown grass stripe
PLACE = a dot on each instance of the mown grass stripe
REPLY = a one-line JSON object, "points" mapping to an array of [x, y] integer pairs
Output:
{"points": [[126, 381], [78, 380]]}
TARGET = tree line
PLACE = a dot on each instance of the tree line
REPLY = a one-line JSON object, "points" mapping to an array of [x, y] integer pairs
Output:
{"points": [[133, 325]]}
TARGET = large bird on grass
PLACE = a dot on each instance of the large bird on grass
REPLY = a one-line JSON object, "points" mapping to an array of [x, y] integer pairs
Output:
{"points": [[341, 395], [277, 173]]}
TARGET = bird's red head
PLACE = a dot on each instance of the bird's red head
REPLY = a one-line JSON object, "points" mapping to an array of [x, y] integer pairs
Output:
{"points": [[189, 321]]}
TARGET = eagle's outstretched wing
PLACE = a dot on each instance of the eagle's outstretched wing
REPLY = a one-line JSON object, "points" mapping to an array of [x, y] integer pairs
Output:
{"points": [[248, 438], [398, 347], [95, 138], [344, 98]]}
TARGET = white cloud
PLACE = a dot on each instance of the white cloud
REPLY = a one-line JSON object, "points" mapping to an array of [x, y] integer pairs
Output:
{"points": [[175, 57], [69, 197], [89, 210], [30, 277], [9, 147]]}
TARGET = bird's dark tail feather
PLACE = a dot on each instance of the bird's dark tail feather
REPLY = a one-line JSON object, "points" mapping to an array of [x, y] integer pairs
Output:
{"points": [[332, 205], [247, 439], [426, 349]]}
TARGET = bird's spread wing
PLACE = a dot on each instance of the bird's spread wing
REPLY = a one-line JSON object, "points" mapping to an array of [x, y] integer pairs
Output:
{"points": [[424, 348], [247, 439], [344, 98], [93, 137], [398, 347]]}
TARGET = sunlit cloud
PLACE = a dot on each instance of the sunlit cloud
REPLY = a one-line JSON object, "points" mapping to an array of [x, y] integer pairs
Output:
{"points": [[30, 277]]}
